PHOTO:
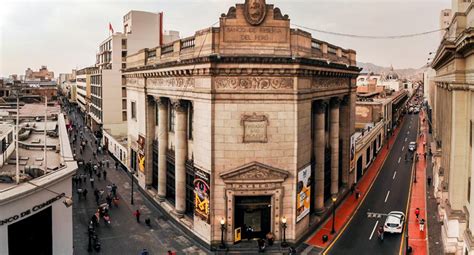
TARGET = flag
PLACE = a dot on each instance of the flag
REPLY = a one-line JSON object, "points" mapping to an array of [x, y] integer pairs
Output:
{"points": [[111, 28]]}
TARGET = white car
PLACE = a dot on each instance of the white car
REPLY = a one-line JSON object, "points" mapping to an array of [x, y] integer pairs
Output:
{"points": [[394, 222], [412, 146]]}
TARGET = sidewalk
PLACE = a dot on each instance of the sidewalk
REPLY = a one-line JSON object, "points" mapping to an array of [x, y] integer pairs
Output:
{"points": [[348, 207], [418, 239]]}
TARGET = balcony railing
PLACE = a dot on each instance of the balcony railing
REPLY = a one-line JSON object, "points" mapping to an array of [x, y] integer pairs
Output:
{"points": [[187, 43], [167, 49]]}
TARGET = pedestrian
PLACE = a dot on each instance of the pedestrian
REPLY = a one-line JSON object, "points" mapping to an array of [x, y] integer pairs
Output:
{"points": [[352, 188], [144, 252], [105, 175], [92, 181], [422, 224], [99, 174], [116, 165], [137, 215], [114, 189], [109, 199], [357, 191], [429, 181], [108, 165], [84, 193], [417, 213], [95, 169], [424, 155], [84, 178]]}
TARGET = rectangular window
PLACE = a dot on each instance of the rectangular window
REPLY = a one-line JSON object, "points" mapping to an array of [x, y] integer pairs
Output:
{"points": [[124, 116], [171, 118], [189, 191], [133, 109], [157, 114], [124, 104], [154, 183], [170, 183], [190, 121]]}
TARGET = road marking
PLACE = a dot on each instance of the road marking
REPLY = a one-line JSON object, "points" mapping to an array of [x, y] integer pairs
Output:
{"points": [[394, 174], [373, 230], [399, 160], [408, 132], [386, 197], [403, 148], [406, 138]]}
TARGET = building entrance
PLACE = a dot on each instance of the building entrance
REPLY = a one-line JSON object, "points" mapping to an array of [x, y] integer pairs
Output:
{"points": [[253, 212]]}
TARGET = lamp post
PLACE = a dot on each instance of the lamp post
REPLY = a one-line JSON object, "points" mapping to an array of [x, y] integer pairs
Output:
{"points": [[131, 195], [333, 198], [283, 226], [222, 246]]}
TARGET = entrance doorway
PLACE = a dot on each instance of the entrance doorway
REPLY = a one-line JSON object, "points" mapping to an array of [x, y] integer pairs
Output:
{"points": [[359, 168], [253, 212]]}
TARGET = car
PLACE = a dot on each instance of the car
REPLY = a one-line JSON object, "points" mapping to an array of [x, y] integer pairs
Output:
{"points": [[394, 222], [412, 146], [410, 110]]}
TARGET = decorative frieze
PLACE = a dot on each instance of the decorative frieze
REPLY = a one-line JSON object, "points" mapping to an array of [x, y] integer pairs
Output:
{"points": [[323, 83], [253, 83], [135, 82], [174, 82]]}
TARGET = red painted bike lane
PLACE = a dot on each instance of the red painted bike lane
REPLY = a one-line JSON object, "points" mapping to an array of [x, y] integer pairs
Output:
{"points": [[347, 208]]}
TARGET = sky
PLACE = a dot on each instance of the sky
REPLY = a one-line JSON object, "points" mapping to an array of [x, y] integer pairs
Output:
{"points": [[65, 34]]}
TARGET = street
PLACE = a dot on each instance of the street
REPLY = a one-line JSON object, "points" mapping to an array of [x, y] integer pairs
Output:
{"points": [[389, 193], [124, 235]]}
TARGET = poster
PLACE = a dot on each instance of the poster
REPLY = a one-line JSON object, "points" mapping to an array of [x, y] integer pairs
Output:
{"points": [[141, 162], [141, 143], [202, 195], [303, 193], [237, 235], [352, 152]]}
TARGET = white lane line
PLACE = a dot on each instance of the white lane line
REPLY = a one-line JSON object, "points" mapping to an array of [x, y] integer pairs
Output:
{"points": [[408, 132], [373, 230], [403, 148], [399, 160], [394, 174], [386, 197], [406, 138]]}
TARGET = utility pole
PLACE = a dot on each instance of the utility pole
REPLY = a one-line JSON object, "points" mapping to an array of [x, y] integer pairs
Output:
{"points": [[17, 133], [45, 125]]}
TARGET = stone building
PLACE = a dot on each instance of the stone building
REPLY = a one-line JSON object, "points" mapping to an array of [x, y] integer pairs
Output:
{"points": [[452, 115], [246, 123]]}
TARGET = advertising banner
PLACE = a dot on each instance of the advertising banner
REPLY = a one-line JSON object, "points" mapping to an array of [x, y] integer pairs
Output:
{"points": [[202, 195], [303, 193]]}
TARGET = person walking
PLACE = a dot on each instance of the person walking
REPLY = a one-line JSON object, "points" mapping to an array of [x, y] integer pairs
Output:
{"points": [[422, 225], [429, 181], [99, 174], [114, 189], [84, 193], [137, 215], [92, 181], [105, 175], [417, 213]]}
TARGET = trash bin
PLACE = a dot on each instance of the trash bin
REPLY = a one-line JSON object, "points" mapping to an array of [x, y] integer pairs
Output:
{"points": [[325, 238]]}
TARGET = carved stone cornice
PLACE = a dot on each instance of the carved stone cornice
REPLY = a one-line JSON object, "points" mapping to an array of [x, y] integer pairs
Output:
{"points": [[254, 172], [253, 83], [329, 83]]}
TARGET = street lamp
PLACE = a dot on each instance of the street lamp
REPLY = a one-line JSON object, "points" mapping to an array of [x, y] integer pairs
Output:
{"points": [[222, 246], [283, 225], [333, 198], [132, 173], [388, 138]]}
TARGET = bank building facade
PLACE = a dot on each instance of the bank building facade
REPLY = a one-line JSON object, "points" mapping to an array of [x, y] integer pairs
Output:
{"points": [[247, 124]]}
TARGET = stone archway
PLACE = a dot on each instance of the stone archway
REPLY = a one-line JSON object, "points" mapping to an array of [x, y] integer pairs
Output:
{"points": [[254, 180]]}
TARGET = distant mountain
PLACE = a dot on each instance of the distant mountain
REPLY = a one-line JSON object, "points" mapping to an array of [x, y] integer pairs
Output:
{"points": [[407, 73]]}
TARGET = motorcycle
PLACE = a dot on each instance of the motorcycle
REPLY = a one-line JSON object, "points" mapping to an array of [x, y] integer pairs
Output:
{"points": [[380, 233]]}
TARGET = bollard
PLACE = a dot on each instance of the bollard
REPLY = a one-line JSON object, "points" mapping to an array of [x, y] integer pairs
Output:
{"points": [[325, 238]]}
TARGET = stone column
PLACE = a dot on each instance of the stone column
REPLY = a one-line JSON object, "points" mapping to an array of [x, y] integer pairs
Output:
{"points": [[181, 149], [334, 142], [344, 122], [162, 146], [149, 138], [319, 147]]}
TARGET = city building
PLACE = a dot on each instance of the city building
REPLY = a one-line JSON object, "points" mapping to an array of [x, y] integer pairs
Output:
{"points": [[453, 131], [244, 124], [108, 111], [43, 74], [35, 214], [83, 91], [444, 20]]}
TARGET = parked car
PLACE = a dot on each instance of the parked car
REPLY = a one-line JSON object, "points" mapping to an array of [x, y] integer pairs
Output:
{"points": [[394, 222], [412, 146]]}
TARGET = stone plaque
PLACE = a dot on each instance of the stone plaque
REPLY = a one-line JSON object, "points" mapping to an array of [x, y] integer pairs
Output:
{"points": [[255, 34], [255, 128]]}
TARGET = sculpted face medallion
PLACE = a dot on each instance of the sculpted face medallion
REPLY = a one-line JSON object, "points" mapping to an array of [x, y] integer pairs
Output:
{"points": [[255, 11]]}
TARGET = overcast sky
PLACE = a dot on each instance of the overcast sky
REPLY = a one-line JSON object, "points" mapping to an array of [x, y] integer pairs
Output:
{"points": [[65, 34]]}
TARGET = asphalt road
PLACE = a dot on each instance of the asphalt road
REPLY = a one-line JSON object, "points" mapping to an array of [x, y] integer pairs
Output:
{"points": [[394, 177]]}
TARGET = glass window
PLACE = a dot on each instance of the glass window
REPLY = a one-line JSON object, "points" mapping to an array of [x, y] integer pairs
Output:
{"points": [[190, 121], [189, 191], [171, 118], [133, 110], [170, 183]]}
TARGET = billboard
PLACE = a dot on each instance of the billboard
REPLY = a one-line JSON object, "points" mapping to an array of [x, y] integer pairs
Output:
{"points": [[303, 193], [202, 195]]}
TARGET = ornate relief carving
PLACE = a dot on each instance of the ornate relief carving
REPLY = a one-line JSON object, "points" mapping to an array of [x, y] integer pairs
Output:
{"points": [[323, 83], [254, 173], [278, 16], [255, 128], [175, 82], [255, 11], [135, 81], [179, 105], [253, 83]]}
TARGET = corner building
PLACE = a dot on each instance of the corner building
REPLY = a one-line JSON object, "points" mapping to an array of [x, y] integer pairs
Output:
{"points": [[248, 122]]}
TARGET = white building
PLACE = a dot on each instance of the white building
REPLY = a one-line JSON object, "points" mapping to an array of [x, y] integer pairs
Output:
{"points": [[33, 218]]}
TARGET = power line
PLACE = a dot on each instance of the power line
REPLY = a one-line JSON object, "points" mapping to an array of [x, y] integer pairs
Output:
{"points": [[370, 36]]}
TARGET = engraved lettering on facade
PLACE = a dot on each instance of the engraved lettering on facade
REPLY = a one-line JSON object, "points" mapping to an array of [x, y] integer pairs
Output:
{"points": [[178, 82], [255, 34], [255, 128], [323, 83], [253, 83]]}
